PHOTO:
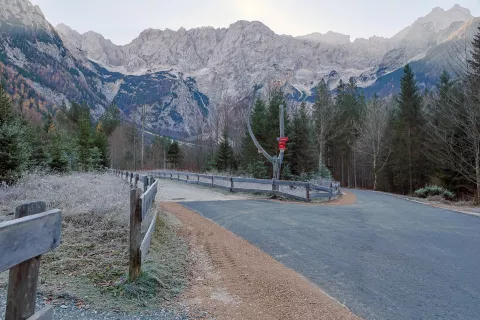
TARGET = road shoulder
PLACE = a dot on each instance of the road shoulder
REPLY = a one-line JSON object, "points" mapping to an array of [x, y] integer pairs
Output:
{"points": [[232, 279]]}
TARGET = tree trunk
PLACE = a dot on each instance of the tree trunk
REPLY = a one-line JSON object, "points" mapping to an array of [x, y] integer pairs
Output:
{"points": [[354, 168], [410, 174], [321, 151], [477, 171]]}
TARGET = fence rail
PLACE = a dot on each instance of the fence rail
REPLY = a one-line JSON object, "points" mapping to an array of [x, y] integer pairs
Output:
{"points": [[297, 190], [140, 204], [33, 232]]}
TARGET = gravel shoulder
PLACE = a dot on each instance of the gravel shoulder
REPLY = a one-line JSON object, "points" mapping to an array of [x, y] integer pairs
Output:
{"points": [[174, 191], [232, 279]]}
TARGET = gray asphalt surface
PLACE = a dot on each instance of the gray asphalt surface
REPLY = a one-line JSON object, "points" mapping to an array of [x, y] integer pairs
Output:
{"points": [[383, 257]]}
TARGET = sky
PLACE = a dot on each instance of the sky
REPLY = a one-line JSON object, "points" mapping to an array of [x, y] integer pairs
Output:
{"points": [[121, 21]]}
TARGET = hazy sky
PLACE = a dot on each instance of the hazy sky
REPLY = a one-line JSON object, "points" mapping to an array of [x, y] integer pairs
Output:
{"points": [[121, 21]]}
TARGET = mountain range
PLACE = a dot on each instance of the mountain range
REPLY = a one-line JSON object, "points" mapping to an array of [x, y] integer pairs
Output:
{"points": [[183, 76]]}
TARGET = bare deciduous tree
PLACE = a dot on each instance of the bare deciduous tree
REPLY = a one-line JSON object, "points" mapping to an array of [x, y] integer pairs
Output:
{"points": [[372, 140], [325, 117]]}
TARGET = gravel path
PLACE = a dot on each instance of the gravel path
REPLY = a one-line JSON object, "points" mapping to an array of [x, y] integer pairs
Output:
{"points": [[250, 284]]}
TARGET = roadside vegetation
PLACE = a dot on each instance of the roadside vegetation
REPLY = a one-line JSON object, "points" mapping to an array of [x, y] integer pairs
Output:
{"points": [[91, 264]]}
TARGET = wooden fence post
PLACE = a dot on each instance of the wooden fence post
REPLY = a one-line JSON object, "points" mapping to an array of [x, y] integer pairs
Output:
{"points": [[145, 183], [307, 191], [23, 278], [135, 234]]}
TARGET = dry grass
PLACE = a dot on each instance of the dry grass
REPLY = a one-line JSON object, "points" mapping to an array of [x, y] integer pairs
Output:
{"points": [[91, 263]]}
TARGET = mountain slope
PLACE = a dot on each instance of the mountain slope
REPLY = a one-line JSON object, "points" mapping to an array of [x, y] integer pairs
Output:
{"points": [[183, 76], [232, 60], [42, 73]]}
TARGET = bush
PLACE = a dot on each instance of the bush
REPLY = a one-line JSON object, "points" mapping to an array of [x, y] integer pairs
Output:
{"points": [[431, 191]]}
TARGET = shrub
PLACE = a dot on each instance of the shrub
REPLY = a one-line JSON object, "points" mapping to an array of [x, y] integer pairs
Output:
{"points": [[431, 191]]}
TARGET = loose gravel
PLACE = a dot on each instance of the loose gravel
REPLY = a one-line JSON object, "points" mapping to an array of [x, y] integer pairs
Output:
{"points": [[65, 309]]}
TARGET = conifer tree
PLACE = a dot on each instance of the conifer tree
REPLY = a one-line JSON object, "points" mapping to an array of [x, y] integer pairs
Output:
{"points": [[300, 144], [174, 155], [224, 158], [14, 147], [410, 169]]}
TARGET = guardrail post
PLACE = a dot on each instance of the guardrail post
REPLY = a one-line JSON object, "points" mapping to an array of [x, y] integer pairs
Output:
{"points": [[145, 183], [307, 191], [231, 184], [23, 278], [212, 181], [131, 177], [136, 180], [135, 235], [198, 179]]}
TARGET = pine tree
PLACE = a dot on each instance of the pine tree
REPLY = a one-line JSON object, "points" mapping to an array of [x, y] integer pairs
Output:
{"points": [[410, 163], [14, 147], [474, 62], [57, 159], [300, 143], [100, 141], [225, 158], [110, 119], [6, 110], [85, 141], [174, 155]]}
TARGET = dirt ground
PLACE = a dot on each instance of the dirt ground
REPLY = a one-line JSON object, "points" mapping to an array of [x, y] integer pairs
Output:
{"points": [[232, 279]]}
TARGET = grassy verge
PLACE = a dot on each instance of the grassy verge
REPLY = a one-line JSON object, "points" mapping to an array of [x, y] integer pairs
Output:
{"points": [[91, 264]]}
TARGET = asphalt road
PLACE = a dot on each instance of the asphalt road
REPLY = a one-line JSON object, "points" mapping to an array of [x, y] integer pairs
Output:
{"points": [[383, 257]]}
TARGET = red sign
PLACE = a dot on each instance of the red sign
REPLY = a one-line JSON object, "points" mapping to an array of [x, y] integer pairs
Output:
{"points": [[282, 143]]}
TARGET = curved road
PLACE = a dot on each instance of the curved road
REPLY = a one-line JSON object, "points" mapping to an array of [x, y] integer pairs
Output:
{"points": [[383, 257]]}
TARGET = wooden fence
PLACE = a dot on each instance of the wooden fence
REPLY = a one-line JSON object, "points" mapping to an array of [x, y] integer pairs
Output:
{"points": [[140, 203], [297, 190], [33, 232]]}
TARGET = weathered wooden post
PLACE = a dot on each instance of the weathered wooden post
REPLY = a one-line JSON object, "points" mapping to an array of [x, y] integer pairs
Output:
{"points": [[145, 183], [307, 191], [135, 234], [23, 278]]}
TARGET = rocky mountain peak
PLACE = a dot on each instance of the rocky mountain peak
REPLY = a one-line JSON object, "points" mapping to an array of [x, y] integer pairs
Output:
{"points": [[22, 12], [333, 38], [442, 19]]}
